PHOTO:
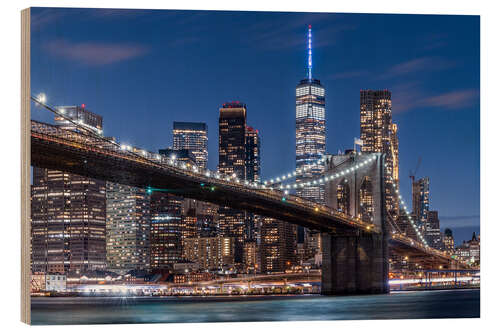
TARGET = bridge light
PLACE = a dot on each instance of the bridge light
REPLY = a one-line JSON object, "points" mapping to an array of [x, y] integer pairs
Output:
{"points": [[42, 98]]}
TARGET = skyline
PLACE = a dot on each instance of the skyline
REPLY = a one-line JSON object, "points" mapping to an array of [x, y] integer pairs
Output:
{"points": [[105, 79]]}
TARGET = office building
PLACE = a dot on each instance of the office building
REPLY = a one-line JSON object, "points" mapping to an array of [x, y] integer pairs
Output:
{"points": [[448, 241], [433, 232], [127, 228], [310, 129], [166, 230], [379, 135], [310, 134], [211, 253], [277, 246], [232, 163], [420, 200], [194, 138], [68, 211]]}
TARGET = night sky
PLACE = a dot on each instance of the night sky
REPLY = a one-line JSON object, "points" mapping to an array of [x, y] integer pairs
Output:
{"points": [[141, 70]]}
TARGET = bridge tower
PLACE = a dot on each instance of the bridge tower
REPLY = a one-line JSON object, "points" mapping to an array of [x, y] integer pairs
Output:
{"points": [[356, 262]]}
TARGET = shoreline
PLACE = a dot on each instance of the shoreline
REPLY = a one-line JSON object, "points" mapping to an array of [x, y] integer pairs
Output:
{"points": [[223, 297]]}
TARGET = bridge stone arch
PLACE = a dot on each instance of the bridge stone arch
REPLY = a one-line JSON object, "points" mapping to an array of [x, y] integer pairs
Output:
{"points": [[365, 196], [356, 262], [343, 196]]}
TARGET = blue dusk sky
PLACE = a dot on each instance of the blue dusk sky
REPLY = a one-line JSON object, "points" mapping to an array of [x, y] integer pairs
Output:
{"points": [[143, 69]]}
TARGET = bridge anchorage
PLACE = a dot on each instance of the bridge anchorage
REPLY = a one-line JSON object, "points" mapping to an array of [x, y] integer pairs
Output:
{"points": [[356, 230]]}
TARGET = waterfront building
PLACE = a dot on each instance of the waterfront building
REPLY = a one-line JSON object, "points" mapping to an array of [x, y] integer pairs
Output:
{"points": [[433, 232], [470, 251], [310, 133], [379, 135], [127, 228], [448, 241], [250, 256], [68, 211], [193, 137], [189, 225], [166, 230], [211, 253], [277, 245]]}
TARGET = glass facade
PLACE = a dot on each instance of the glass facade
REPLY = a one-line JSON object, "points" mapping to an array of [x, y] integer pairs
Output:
{"points": [[127, 228], [379, 135], [68, 211], [193, 137], [310, 136]]}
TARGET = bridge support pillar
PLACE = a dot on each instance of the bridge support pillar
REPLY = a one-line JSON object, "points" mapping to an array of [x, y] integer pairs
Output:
{"points": [[355, 264]]}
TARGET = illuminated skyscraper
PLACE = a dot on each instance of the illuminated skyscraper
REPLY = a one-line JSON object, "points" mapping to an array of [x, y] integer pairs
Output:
{"points": [[310, 133], [68, 211], [127, 228], [232, 162], [420, 196], [166, 230], [277, 244], [310, 130], [379, 135], [252, 151], [193, 137], [232, 139], [239, 156]]}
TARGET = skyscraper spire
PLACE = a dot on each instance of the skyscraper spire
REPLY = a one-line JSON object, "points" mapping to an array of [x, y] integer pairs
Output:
{"points": [[309, 54]]}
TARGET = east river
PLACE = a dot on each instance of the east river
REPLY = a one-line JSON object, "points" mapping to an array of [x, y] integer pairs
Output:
{"points": [[120, 310]]}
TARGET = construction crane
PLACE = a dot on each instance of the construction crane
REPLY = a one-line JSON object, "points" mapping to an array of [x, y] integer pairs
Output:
{"points": [[414, 172]]}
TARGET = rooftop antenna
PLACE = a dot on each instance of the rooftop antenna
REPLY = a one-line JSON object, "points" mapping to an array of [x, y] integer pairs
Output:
{"points": [[309, 54]]}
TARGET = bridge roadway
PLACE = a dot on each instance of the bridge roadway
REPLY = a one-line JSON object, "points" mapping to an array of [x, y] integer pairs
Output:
{"points": [[101, 158]]}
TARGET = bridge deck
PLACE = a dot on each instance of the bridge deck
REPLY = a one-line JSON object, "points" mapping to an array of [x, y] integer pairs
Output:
{"points": [[100, 158]]}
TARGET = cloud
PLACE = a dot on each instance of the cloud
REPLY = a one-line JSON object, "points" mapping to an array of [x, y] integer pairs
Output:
{"points": [[417, 65], [411, 95], [94, 53], [453, 100]]}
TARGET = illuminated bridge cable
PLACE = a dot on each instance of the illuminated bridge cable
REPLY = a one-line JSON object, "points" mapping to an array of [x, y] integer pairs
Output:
{"points": [[396, 193], [329, 177], [89, 132]]}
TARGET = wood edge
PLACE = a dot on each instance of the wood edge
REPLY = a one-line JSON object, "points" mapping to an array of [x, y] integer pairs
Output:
{"points": [[25, 167]]}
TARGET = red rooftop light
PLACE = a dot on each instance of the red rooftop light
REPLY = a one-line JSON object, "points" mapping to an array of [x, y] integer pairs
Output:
{"points": [[83, 106]]}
